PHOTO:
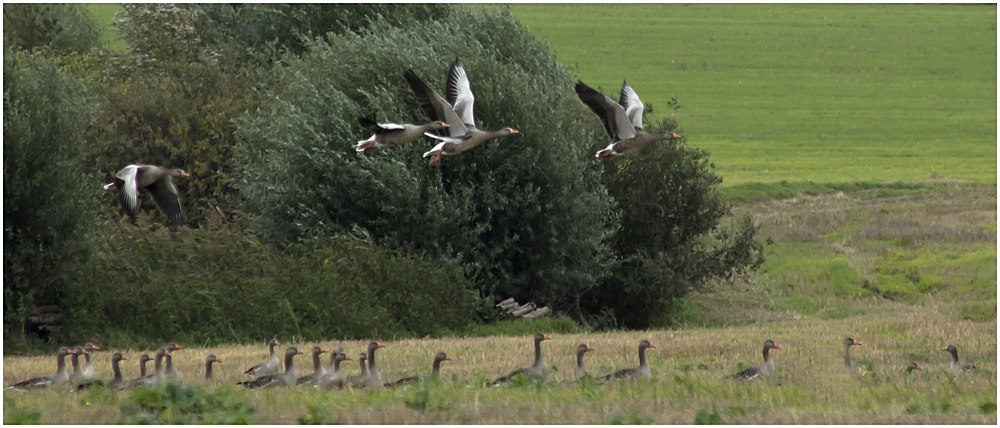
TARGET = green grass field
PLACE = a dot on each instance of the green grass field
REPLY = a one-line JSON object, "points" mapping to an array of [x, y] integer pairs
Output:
{"points": [[821, 93], [848, 132]]}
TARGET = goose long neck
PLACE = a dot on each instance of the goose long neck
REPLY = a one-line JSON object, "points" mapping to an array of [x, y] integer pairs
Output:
{"points": [[289, 361], [271, 346], [142, 368], [579, 361], [436, 368], [208, 370], [86, 359], [954, 355], [75, 360], [61, 363], [336, 365], [117, 370], [847, 356], [538, 353], [371, 360], [767, 356], [364, 367], [170, 362], [317, 365], [158, 364], [642, 357]]}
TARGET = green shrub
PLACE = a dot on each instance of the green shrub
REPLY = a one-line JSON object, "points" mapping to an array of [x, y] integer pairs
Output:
{"points": [[48, 196], [525, 216], [670, 240], [62, 27], [220, 284], [174, 403]]}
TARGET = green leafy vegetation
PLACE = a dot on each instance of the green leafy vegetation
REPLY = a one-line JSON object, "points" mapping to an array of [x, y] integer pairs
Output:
{"points": [[60, 27], [174, 403]]}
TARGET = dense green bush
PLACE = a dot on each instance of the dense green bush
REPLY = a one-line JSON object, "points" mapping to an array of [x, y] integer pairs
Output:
{"points": [[220, 283], [62, 27], [526, 216], [174, 403], [48, 198]]}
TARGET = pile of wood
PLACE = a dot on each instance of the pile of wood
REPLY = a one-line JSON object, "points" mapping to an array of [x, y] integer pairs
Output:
{"points": [[529, 310]]}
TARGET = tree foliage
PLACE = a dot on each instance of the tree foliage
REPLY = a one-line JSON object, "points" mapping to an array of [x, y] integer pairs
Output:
{"points": [[525, 215], [62, 27], [48, 198]]}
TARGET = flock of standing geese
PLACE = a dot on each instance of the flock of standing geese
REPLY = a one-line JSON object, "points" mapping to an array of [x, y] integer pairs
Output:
{"points": [[268, 373], [452, 125]]}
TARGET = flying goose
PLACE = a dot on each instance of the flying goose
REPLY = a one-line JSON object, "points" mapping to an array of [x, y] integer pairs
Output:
{"points": [[456, 112], [635, 372], [270, 366], [766, 369], [537, 371], [158, 181], [388, 134], [60, 378], [622, 120]]}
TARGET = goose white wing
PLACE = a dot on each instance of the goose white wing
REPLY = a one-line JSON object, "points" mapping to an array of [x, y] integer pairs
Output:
{"points": [[459, 93], [629, 101], [129, 191]]}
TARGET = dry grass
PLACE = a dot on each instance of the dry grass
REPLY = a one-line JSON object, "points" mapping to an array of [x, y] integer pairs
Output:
{"points": [[812, 385]]}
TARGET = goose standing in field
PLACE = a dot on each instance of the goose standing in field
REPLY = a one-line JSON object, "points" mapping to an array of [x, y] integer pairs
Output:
{"points": [[766, 369], [117, 382], [388, 134], [78, 378], [435, 370], [318, 370], [156, 377], [89, 374], [641, 372], [211, 359], [374, 377], [622, 120], [848, 343], [456, 111], [268, 367], [955, 365], [581, 367], [335, 377], [537, 371], [143, 359], [913, 366], [158, 181], [288, 378], [171, 371], [361, 379], [60, 378]]}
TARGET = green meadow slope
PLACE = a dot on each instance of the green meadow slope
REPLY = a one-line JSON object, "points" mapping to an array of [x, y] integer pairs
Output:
{"points": [[822, 93]]}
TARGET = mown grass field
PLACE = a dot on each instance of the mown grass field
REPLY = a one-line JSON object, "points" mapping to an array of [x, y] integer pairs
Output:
{"points": [[847, 131]]}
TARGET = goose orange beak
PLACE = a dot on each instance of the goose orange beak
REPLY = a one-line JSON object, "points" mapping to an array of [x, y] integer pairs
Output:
{"points": [[590, 349], [124, 357], [546, 337]]}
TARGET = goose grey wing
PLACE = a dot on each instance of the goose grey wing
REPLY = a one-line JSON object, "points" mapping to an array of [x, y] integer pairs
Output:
{"points": [[435, 107], [459, 93], [127, 182], [165, 195], [612, 115], [630, 102]]}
